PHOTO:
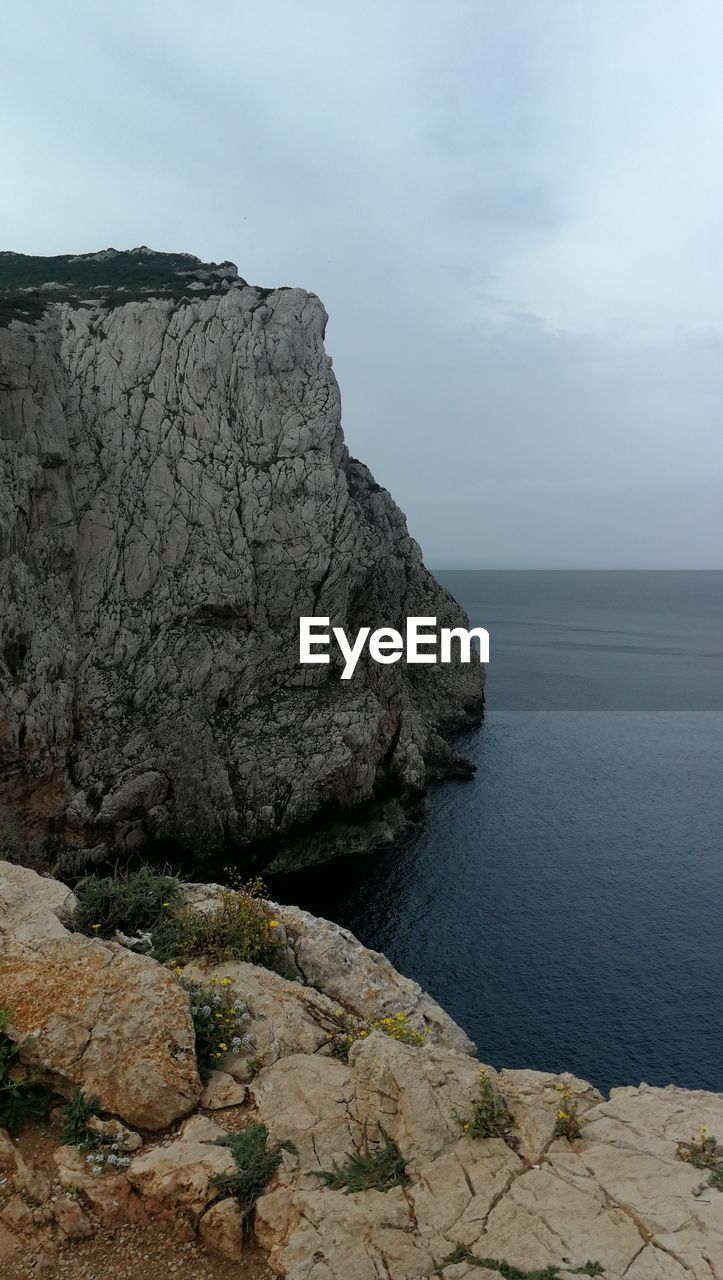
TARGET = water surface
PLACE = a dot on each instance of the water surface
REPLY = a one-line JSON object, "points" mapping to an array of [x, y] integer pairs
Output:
{"points": [[566, 906]]}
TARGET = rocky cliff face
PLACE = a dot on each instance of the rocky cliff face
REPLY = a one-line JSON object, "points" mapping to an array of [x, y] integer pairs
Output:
{"points": [[175, 493]]}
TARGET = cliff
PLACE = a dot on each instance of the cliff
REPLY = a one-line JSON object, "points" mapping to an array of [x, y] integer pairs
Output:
{"points": [[346, 1126], [175, 493]]}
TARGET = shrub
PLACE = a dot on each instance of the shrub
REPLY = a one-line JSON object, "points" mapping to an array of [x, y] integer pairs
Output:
{"points": [[74, 1117], [490, 1116], [256, 1164], [567, 1122], [219, 1022], [397, 1026], [462, 1254], [22, 1098], [377, 1169], [129, 901], [239, 928], [704, 1152]]}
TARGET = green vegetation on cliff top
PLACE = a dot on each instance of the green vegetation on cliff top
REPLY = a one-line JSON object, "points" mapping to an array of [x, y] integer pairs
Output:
{"points": [[28, 285]]}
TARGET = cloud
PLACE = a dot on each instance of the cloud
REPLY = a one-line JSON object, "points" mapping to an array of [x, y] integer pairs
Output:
{"points": [[511, 212]]}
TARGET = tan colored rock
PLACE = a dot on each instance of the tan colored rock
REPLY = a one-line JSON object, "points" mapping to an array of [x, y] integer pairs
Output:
{"points": [[202, 1129], [72, 1222], [305, 1099], [357, 1237], [534, 1099], [411, 1093], [8, 1150], [285, 1017], [653, 1264], [46, 1263], [11, 1246], [17, 1215], [221, 1090], [545, 1218], [179, 1175], [30, 1180], [222, 1228], [461, 1185], [654, 1119], [31, 896], [364, 981], [109, 1194], [112, 1131], [95, 1015]]}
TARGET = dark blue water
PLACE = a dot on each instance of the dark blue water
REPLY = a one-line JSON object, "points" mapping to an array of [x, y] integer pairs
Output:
{"points": [[567, 905]]}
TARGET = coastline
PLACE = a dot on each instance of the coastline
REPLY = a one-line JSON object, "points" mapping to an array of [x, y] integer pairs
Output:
{"points": [[613, 1196]]}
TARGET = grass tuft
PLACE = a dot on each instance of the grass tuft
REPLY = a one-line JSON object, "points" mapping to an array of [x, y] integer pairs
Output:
{"points": [[256, 1164], [377, 1169], [130, 902], [74, 1118]]}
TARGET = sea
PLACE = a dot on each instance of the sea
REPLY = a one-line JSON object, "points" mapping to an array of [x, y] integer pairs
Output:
{"points": [[566, 905]]}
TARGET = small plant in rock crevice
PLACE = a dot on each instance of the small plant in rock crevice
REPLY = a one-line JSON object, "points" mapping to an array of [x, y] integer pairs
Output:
{"points": [[490, 1116], [567, 1121], [373, 1168], [256, 1164], [74, 1117], [461, 1253], [129, 902], [397, 1026], [22, 1097], [240, 927], [704, 1152], [150, 907], [220, 1021]]}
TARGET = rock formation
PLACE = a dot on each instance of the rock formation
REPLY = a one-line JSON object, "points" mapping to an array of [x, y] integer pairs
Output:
{"points": [[614, 1201], [175, 492]]}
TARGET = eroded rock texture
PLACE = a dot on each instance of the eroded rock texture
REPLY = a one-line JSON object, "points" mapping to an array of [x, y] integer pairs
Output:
{"points": [[175, 492]]}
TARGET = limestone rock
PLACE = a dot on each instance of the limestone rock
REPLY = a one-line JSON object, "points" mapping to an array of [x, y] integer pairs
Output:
{"points": [[95, 1015], [534, 1099], [285, 1017], [411, 1093], [328, 1234], [305, 1099], [618, 1196], [221, 1090], [222, 1228], [179, 1175], [113, 1132], [11, 1246], [110, 1195], [72, 1222], [17, 1215], [7, 1151], [175, 492], [364, 981], [31, 896], [201, 1129]]}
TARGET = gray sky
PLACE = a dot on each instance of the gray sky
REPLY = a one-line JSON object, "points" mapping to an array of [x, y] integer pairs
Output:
{"points": [[513, 213]]}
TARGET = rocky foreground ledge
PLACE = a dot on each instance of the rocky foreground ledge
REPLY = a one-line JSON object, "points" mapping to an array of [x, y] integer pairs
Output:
{"points": [[93, 1015]]}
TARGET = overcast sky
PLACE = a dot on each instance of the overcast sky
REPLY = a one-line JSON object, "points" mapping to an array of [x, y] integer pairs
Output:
{"points": [[512, 210]]}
